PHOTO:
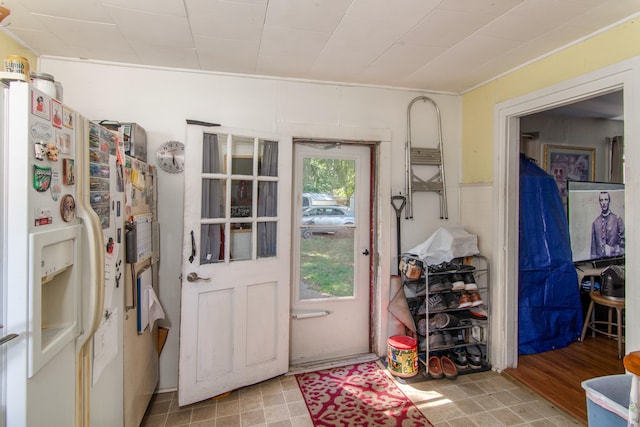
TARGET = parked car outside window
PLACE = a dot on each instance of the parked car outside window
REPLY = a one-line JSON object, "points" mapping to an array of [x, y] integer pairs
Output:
{"points": [[324, 219]]}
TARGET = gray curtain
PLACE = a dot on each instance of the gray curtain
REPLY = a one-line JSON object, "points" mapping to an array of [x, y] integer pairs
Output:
{"points": [[617, 159], [211, 249], [268, 201]]}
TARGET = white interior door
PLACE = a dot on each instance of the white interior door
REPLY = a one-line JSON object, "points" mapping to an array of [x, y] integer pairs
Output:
{"points": [[236, 253], [330, 299]]}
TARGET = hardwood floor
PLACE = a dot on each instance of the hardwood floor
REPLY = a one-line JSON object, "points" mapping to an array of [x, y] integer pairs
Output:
{"points": [[557, 375]]}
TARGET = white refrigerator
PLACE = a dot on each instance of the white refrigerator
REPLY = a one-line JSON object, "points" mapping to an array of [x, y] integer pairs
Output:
{"points": [[62, 223]]}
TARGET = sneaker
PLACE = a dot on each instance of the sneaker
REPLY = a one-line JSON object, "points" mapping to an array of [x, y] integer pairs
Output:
{"points": [[476, 299], [448, 368], [433, 325], [436, 285], [449, 340], [465, 268], [436, 340], [478, 313], [422, 326], [465, 300], [474, 357], [446, 283], [422, 310], [452, 300], [435, 367], [436, 303], [439, 268], [470, 282], [422, 344], [459, 357], [457, 282], [444, 320]]}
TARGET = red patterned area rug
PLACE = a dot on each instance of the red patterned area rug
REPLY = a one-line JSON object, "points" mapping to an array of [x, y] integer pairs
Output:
{"points": [[357, 395]]}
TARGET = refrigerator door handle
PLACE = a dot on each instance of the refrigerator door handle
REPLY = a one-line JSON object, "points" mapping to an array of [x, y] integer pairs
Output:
{"points": [[96, 266], [95, 240]]}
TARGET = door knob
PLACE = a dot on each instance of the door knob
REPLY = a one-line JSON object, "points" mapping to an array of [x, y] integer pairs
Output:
{"points": [[365, 252], [193, 277]]}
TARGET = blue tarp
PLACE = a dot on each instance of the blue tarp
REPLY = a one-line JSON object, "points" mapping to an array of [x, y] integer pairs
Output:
{"points": [[550, 310]]}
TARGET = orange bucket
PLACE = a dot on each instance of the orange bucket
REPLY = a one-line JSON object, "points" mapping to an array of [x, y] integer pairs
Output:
{"points": [[403, 356]]}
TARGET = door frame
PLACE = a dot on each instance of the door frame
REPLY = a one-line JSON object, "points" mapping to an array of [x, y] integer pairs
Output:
{"points": [[372, 243], [624, 75], [381, 214]]}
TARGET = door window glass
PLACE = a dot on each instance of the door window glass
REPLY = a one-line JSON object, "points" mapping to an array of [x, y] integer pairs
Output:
{"points": [[327, 234], [239, 198]]}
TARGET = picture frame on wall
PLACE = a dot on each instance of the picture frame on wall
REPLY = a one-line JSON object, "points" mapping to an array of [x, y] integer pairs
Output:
{"points": [[584, 208], [569, 163]]}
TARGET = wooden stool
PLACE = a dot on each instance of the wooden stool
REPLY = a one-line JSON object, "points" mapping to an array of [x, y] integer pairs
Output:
{"points": [[591, 323]]}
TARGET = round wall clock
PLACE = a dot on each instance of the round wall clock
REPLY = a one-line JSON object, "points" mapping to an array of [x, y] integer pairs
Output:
{"points": [[170, 157]]}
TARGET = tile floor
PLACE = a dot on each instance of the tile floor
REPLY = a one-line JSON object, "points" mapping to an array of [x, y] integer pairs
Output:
{"points": [[479, 399]]}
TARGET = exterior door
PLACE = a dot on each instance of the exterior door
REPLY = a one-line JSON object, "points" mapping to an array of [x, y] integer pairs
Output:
{"points": [[236, 254], [330, 296]]}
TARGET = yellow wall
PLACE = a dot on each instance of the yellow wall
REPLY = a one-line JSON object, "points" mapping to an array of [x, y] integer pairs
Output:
{"points": [[8, 46], [615, 45]]}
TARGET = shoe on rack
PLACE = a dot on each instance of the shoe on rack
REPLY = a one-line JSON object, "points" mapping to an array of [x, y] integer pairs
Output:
{"points": [[449, 340], [478, 313], [435, 367], [444, 320], [470, 282], [474, 357], [446, 283], [451, 299], [422, 344], [459, 357], [465, 300], [436, 284], [436, 303], [464, 268], [448, 368], [437, 268], [436, 340], [432, 323], [422, 310], [422, 326], [457, 282], [476, 299]]}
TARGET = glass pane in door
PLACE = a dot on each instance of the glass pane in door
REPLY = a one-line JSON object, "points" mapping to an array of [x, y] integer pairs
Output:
{"points": [[214, 149], [267, 239], [241, 198], [213, 205], [239, 206], [241, 246], [327, 231], [326, 265]]}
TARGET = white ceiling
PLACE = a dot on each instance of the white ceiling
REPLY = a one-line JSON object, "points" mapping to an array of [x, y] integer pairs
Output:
{"points": [[438, 45]]}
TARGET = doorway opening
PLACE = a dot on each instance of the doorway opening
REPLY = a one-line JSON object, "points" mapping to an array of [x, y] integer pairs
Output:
{"points": [[573, 144], [332, 300], [622, 76], [506, 191]]}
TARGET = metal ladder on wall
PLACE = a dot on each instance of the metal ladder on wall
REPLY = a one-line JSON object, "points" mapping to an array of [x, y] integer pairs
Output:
{"points": [[425, 157]]}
